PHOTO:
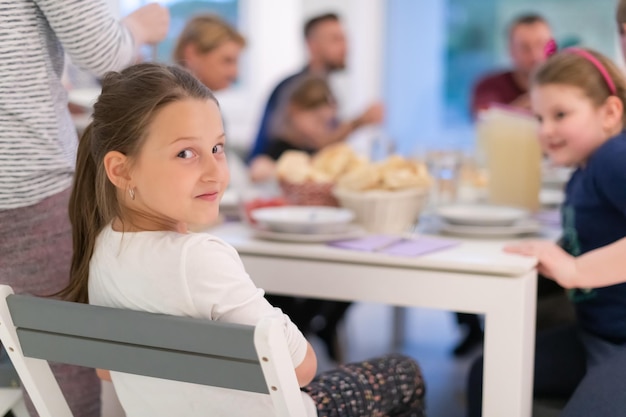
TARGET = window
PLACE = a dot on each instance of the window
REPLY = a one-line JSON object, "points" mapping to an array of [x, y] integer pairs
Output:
{"points": [[181, 11]]}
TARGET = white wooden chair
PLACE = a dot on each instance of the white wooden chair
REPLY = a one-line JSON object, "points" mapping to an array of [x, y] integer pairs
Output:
{"points": [[250, 358]]}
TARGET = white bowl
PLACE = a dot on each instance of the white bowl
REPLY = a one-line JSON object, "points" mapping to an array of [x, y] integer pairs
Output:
{"points": [[303, 219], [382, 211]]}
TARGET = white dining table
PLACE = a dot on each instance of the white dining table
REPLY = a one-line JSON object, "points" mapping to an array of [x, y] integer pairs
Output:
{"points": [[474, 277]]}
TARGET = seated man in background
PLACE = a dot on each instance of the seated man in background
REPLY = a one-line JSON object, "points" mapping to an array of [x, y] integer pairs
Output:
{"points": [[327, 49], [528, 36], [301, 114]]}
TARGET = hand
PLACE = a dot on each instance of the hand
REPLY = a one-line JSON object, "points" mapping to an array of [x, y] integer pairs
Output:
{"points": [[373, 115], [262, 168], [148, 24], [554, 262]]}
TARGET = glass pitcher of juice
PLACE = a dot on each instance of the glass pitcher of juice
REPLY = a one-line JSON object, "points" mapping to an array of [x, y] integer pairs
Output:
{"points": [[509, 142]]}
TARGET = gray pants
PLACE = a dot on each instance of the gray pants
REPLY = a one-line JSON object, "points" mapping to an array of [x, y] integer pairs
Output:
{"points": [[35, 256]]}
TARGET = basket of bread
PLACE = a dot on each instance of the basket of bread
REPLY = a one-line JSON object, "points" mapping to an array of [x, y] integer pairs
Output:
{"points": [[385, 196], [308, 180]]}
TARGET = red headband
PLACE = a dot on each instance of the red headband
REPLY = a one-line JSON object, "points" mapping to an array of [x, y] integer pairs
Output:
{"points": [[551, 49]]}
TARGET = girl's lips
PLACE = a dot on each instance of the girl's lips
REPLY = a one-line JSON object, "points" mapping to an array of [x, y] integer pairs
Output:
{"points": [[208, 196]]}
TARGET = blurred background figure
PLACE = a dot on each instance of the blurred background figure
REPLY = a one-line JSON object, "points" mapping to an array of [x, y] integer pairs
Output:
{"points": [[38, 141], [301, 114], [306, 120], [327, 48], [528, 34], [210, 48], [621, 24]]}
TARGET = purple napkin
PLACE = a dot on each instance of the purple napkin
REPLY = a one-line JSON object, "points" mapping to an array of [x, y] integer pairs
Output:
{"points": [[394, 245]]}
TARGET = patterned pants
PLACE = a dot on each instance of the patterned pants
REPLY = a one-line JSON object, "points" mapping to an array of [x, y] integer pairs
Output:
{"points": [[35, 255], [388, 386]]}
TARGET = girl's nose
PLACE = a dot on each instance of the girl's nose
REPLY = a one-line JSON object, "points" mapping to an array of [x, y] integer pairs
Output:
{"points": [[546, 129]]}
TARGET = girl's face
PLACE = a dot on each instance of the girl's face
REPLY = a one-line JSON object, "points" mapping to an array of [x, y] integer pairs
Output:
{"points": [[180, 173], [313, 124], [571, 126]]}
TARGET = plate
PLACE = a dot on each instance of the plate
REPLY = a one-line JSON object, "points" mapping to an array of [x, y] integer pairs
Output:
{"points": [[551, 197], [556, 177], [481, 215], [303, 219], [524, 227], [352, 231]]}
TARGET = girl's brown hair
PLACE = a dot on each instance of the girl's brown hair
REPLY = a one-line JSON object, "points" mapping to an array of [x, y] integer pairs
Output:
{"points": [[310, 93], [205, 32], [121, 117], [569, 68]]}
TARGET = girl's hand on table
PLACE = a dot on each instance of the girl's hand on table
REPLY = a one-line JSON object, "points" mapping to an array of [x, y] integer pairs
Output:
{"points": [[553, 261]]}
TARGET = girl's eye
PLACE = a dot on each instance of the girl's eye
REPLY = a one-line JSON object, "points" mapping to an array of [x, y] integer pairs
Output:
{"points": [[218, 148], [185, 154], [560, 115]]}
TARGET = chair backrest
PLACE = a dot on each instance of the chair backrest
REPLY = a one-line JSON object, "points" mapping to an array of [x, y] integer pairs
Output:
{"points": [[250, 358]]}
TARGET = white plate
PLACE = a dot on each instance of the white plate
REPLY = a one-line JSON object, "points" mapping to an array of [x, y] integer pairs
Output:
{"points": [[352, 231], [481, 215], [303, 219], [551, 197], [524, 227], [556, 177]]}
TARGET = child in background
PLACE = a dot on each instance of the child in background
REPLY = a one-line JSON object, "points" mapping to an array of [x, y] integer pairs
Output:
{"points": [[578, 97], [151, 164]]}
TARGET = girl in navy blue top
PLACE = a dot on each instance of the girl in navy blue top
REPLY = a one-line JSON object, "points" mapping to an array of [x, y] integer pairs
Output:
{"points": [[578, 97]]}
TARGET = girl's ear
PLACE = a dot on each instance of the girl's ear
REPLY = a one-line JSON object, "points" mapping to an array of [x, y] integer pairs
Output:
{"points": [[613, 112], [116, 165]]}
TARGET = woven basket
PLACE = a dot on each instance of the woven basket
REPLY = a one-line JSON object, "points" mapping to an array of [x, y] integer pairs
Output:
{"points": [[382, 211], [309, 193]]}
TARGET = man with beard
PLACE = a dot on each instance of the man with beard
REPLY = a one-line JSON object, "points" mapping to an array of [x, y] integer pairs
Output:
{"points": [[327, 47], [326, 44], [528, 35]]}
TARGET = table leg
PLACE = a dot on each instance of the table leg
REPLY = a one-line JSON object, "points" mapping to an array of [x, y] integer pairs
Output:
{"points": [[510, 349], [399, 328]]}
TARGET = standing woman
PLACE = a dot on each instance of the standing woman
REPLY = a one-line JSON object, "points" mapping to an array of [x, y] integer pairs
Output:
{"points": [[38, 141], [210, 48]]}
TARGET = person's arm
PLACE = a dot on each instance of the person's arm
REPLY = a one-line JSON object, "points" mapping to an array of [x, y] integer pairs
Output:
{"points": [[305, 372], [374, 114], [94, 39], [598, 268]]}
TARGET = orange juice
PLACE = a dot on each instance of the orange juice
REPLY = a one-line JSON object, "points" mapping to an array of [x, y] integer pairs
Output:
{"points": [[513, 157]]}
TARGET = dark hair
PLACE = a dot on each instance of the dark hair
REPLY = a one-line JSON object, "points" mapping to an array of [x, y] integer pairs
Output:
{"points": [[620, 15], [525, 19], [569, 68], [121, 117], [313, 22]]}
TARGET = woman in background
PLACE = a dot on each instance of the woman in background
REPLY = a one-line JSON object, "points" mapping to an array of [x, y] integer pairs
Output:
{"points": [[210, 48]]}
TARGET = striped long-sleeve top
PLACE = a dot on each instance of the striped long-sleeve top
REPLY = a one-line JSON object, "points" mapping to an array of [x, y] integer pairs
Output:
{"points": [[37, 138]]}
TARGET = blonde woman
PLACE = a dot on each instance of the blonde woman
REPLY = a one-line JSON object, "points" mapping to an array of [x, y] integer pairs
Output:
{"points": [[210, 48]]}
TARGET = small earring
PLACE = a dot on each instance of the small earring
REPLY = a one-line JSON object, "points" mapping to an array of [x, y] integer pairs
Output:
{"points": [[131, 191]]}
